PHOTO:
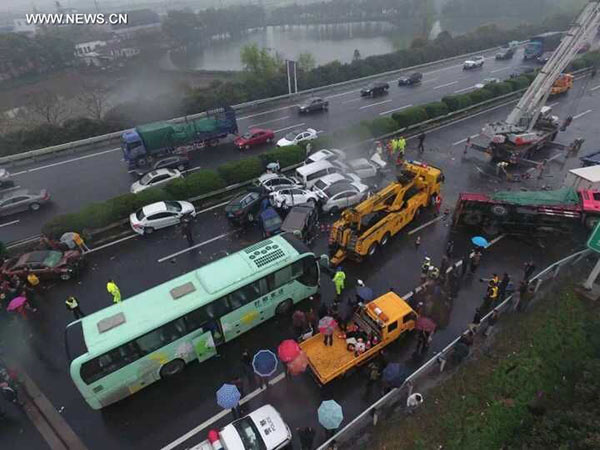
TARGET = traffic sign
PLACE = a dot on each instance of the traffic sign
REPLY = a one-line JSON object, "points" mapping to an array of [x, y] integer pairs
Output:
{"points": [[594, 240]]}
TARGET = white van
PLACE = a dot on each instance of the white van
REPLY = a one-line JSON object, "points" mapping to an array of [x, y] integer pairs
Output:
{"points": [[310, 173]]}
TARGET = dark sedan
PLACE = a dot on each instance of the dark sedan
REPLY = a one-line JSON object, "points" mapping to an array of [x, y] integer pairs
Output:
{"points": [[375, 89], [46, 264], [409, 80], [313, 104], [244, 208], [179, 162]]}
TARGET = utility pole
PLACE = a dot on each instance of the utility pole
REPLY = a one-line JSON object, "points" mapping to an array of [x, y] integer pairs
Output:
{"points": [[287, 66]]}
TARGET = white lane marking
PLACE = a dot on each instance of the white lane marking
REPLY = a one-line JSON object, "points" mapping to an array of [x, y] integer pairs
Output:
{"points": [[465, 139], [268, 121], [582, 114], [291, 126], [493, 241], [9, 223], [375, 104], [193, 169], [551, 105], [501, 70], [13, 188], [426, 224], [594, 88], [444, 68], [193, 247], [35, 169], [464, 89], [446, 85], [395, 109], [110, 244], [218, 416], [342, 93], [430, 80], [266, 112], [352, 101]]}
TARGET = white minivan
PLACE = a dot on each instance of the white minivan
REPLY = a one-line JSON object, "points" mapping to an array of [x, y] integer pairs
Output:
{"points": [[310, 173]]}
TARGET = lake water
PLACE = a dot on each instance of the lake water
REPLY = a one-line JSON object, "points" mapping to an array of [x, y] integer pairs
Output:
{"points": [[325, 42]]}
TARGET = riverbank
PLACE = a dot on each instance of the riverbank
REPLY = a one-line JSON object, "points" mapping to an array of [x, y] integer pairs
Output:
{"points": [[533, 384]]}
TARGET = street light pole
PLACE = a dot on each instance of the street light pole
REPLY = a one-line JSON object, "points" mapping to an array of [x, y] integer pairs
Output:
{"points": [[287, 66]]}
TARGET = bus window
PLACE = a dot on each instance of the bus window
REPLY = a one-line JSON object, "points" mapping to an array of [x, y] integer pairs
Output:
{"points": [[310, 275], [244, 295], [279, 278], [217, 308], [108, 363]]}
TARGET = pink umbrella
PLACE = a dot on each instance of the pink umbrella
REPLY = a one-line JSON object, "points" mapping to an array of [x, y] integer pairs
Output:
{"points": [[327, 325], [16, 303], [299, 364], [288, 350], [425, 324]]}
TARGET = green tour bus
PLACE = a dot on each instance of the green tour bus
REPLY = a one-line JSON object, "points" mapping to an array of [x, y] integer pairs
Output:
{"points": [[121, 349]]}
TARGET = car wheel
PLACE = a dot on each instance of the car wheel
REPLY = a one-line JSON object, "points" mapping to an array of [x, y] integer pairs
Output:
{"points": [[172, 368], [269, 140], [284, 308], [250, 217], [181, 167], [335, 210], [65, 276], [34, 206], [247, 147], [372, 249], [385, 239], [148, 230]]}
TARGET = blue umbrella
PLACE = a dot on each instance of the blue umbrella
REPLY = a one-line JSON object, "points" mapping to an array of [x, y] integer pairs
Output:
{"points": [[264, 363], [480, 241], [394, 374], [365, 293], [228, 396], [330, 414]]}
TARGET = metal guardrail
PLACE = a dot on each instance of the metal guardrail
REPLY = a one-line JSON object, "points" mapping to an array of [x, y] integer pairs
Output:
{"points": [[365, 419], [110, 137]]}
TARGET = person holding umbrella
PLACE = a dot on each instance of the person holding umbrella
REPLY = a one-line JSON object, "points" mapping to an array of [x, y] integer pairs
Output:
{"points": [[330, 416], [264, 364], [327, 326], [228, 397]]}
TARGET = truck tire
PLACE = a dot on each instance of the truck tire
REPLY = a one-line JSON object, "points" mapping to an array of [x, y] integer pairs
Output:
{"points": [[385, 239], [491, 229], [172, 368], [473, 218], [372, 249], [499, 210], [591, 222]]}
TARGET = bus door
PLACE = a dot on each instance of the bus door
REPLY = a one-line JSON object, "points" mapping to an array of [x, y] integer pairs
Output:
{"points": [[204, 346]]}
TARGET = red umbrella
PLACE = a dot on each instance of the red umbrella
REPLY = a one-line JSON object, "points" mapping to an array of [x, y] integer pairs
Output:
{"points": [[299, 364], [425, 324], [327, 325], [288, 350], [16, 303]]}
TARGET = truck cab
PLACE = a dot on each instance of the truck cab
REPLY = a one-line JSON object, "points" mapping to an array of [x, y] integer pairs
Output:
{"points": [[262, 429], [132, 146], [377, 324]]}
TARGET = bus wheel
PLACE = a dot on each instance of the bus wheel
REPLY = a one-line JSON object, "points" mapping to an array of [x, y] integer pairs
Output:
{"points": [[284, 308], [172, 368], [385, 239]]}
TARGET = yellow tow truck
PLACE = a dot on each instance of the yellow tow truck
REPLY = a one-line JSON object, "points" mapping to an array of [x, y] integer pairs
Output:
{"points": [[370, 224], [381, 321]]}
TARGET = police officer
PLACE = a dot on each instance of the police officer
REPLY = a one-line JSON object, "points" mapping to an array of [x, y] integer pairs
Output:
{"points": [[73, 306]]}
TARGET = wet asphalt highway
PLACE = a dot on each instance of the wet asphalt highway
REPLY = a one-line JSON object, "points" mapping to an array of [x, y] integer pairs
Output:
{"points": [[165, 411], [100, 173]]}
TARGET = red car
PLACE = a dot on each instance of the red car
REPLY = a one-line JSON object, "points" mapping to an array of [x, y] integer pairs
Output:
{"points": [[46, 264], [254, 136]]}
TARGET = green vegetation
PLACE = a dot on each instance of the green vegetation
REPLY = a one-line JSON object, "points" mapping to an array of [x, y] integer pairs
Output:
{"points": [[99, 215], [537, 386]]}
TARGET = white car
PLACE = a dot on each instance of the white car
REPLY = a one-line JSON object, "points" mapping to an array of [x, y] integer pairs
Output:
{"points": [[327, 155], [485, 82], [293, 197], [297, 136], [159, 215], [342, 195], [328, 180], [362, 167], [261, 429], [273, 182], [474, 63], [155, 178]]}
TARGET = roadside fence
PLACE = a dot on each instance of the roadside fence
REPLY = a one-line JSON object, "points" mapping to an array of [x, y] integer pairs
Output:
{"points": [[357, 433]]}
